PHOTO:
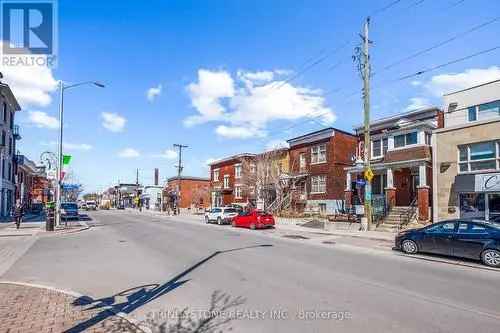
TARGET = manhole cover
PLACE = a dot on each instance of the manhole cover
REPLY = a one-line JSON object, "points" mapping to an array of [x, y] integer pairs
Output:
{"points": [[295, 237], [328, 242]]}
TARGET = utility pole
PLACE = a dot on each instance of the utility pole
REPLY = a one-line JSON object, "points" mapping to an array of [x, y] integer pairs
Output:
{"points": [[179, 172], [366, 98]]}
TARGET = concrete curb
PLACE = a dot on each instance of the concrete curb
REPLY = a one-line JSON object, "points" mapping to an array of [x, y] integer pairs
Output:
{"points": [[76, 295]]}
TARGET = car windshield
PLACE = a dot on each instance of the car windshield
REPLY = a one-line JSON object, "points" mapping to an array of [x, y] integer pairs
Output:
{"points": [[69, 206], [229, 210]]}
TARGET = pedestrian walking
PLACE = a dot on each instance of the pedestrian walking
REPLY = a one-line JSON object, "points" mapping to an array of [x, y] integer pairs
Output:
{"points": [[18, 213]]}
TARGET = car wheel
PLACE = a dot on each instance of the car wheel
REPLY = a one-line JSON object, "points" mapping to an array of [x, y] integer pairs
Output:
{"points": [[252, 226], [207, 220], [491, 258], [219, 221], [409, 246]]}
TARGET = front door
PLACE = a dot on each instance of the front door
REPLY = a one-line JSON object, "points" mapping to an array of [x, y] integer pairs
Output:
{"points": [[403, 184]]}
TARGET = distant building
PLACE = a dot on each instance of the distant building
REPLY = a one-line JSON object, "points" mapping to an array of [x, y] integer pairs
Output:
{"points": [[187, 193], [229, 183], [26, 172], [317, 169], [466, 171], [9, 135]]}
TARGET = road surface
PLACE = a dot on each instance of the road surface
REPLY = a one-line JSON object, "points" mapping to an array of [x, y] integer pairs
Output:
{"points": [[288, 285]]}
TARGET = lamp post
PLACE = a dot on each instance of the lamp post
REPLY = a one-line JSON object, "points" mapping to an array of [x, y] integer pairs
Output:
{"points": [[62, 88]]}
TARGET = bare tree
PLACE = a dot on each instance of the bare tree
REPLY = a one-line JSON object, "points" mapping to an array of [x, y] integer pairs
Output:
{"points": [[200, 196]]}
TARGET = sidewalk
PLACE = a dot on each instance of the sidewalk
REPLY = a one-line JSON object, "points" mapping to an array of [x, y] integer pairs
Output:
{"points": [[30, 309]]}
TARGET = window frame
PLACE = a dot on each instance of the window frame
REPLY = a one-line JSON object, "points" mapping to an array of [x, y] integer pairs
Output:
{"points": [[468, 162], [238, 169], [319, 151], [238, 192], [475, 111], [226, 184], [318, 184], [215, 172], [302, 160], [405, 136]]}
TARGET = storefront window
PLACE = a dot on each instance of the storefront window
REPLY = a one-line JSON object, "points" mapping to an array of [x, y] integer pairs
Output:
{"points": [[494, 204], [472, 205]]}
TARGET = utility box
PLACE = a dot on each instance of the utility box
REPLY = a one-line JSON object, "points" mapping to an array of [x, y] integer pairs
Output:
{"points": [[50, 217]]}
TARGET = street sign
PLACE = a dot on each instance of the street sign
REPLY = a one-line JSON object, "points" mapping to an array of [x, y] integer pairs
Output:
{"points": [[360, 182], [369, 174]]}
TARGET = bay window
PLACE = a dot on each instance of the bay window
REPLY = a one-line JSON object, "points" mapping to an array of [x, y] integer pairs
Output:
{"points": [[405, 140], [318, 154], [479, 156]]}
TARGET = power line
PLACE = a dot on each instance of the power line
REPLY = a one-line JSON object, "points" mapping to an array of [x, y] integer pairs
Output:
{"points": [[447, 41], [448, 63], [386, 7]]}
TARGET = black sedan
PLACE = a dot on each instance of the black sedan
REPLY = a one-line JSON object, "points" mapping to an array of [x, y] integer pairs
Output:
{"points": [[472, 239]]}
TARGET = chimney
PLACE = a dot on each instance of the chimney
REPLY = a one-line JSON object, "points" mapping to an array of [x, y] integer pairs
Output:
{"points": [[157, 176]]}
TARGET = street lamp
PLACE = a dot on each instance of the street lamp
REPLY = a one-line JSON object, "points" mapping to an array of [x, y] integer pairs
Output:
{"points": [[62, 88]]}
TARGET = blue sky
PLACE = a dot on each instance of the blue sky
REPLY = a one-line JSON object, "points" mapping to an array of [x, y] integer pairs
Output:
{"points": [[219, 69]]}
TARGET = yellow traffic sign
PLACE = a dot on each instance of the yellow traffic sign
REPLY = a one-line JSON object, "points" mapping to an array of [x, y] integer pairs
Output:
{"points": [[369, 175]]}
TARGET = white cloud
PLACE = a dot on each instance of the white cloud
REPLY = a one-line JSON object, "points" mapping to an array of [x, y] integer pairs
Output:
{"points": [[256, 99], [276, 144], [154, 92], [446, 83], [416, 83], [32, 85], [113, 121], [206, 95], [129, 153], [42, 120], [168, 154], [211, 160], [417, 103]]}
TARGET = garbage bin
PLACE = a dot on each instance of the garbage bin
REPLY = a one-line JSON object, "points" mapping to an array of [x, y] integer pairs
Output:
{"points": [[50, 216]]}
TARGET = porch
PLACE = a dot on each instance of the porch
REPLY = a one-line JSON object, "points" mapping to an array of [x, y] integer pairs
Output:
{"points": [[400, 191]]}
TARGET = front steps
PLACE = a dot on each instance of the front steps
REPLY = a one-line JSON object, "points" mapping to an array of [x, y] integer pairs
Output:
{"points": [[391, 222]]}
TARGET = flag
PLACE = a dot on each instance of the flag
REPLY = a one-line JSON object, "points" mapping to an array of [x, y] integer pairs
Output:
{"points": [[66, 159]]}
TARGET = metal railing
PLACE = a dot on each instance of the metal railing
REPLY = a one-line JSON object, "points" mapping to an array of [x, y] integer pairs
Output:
{"points": [[406, 217]]}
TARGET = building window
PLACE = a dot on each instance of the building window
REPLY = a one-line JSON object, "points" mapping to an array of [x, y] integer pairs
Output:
{"points": [[237, 171], [379, 147], [10, 146], [3, 139], [11, 121], [405, 140], [479, 156], [216, 175], [472, 205], [484, 111], [302, 161], [226, 181], [318, 154], [379, 183], [237, 192], [318, 184]]}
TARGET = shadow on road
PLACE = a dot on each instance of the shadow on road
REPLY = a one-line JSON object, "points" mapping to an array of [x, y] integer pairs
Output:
{"points": [[140, 295]]}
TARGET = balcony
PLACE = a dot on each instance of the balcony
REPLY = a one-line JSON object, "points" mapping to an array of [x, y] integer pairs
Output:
{"points": [[16, 132]]}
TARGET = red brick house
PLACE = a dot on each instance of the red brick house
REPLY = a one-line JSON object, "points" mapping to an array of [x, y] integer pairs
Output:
{"points": [[229, 183], [401, 160], [189, 192], [317, 163]]}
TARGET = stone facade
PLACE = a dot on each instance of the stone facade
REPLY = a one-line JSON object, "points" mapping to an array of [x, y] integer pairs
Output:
{"points": [[446, 162]]}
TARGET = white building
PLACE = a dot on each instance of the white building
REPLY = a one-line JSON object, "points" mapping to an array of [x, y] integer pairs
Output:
{"points": [[9, 135]]}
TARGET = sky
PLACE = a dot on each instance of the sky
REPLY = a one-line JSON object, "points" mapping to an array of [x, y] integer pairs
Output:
{"points": [[226, 77]]}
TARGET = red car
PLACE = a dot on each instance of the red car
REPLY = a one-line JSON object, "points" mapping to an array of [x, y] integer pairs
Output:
{"points": [[255, 219]]}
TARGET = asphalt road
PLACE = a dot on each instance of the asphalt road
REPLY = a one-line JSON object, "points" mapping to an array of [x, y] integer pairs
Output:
{"points": [[288, 285]]}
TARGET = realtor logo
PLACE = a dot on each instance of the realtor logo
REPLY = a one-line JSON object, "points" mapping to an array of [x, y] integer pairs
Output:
{"points": [[28, 28]]}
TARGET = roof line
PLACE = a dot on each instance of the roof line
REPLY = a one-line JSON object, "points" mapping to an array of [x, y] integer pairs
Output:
{"points": [[473, 87]]}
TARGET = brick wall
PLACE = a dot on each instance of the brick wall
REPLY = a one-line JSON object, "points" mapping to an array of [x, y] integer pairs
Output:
{"points": [[340, 148], [193, 192]]}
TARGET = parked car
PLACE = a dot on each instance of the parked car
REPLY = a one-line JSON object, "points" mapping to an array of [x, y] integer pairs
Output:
{"points": [[255, 219], [472, 239], [91, 205], [221, 215], [120, 206], [69, 211]]}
